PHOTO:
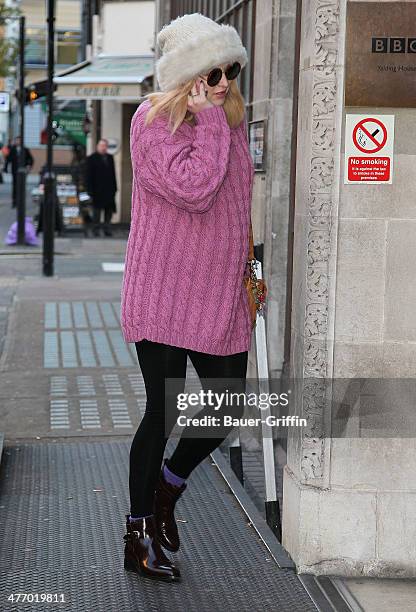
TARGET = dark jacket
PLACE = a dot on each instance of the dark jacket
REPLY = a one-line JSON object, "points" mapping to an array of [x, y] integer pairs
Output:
{"points": [[100, 180], [13, 159]]}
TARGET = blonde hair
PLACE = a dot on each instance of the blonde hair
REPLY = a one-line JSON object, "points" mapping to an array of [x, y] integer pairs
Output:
{"points": [[174, 105]]}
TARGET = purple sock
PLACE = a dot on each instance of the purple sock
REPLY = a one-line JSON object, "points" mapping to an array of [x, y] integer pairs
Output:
{"points": [[134, 518], [172, 478]]}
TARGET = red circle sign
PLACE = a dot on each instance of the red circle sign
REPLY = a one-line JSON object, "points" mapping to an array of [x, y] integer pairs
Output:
{"points": [[366, 140]]}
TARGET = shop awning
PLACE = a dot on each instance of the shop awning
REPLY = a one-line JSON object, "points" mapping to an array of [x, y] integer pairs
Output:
{"points": [[105, 77]]}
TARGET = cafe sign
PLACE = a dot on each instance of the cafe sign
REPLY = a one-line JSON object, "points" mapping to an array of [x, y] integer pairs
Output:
{"points": [[380, 66], [99, 91]]}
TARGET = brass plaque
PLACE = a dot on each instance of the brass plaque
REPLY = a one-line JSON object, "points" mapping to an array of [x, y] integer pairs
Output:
{"points": [[380, 67]]}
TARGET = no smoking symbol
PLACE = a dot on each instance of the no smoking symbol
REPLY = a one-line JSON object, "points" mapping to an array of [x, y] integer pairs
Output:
{"points": [[369, 135]]}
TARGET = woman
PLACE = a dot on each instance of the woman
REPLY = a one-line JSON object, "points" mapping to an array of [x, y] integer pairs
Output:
{"points": [[186, 254]]}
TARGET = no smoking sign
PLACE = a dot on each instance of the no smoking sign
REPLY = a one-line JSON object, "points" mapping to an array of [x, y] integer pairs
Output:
{"points": [[369, 144]]}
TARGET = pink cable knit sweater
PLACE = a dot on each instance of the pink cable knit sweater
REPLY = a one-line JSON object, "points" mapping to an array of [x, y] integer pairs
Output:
{"points": [[188, 242]]}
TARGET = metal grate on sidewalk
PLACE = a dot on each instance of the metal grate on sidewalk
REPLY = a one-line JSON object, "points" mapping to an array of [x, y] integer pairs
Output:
{"points": [[62, 515]]}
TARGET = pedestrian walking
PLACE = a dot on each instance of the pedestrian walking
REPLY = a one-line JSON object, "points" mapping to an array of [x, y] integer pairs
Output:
{"points": [[182, 291], [2, 162], [5, 152], [101, 185], [13, 160]]}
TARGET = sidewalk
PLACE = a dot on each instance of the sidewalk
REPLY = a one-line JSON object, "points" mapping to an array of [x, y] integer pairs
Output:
{"points": [[71, 396]]}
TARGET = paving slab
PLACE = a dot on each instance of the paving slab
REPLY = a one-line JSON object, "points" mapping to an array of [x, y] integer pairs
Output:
{"points": [[383, 595]]}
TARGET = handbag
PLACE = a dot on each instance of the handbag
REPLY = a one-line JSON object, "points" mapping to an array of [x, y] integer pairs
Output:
{"points": [[256, 287]]}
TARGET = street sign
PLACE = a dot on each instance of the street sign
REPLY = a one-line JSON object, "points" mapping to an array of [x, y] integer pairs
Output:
{"points": [[369, 135], [369, 142], [4, 101]]}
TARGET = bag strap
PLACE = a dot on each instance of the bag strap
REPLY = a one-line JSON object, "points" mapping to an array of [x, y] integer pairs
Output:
{"points": [[250, 243]]}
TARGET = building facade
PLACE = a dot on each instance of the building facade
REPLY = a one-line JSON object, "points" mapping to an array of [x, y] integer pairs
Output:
{"points": [[337, 260], [68, 51], [136, 21], [116, 72]]}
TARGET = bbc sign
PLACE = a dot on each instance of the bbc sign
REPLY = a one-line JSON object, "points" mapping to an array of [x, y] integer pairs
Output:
{"points": [[393, 45], [380, 54]]}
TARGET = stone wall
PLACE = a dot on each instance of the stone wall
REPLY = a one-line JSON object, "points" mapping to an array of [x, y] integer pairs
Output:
{"points": [[349, 503]]}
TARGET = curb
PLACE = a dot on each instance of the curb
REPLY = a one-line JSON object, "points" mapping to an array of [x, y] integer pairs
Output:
{"points": [[279, 554], [1, 445]]}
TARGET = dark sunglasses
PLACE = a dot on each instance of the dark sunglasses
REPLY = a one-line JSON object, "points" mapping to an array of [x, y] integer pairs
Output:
{"points": [[215, 75]]}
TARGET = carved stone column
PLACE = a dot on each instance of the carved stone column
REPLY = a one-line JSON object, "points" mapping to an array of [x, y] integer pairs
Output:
{"points": [[349, 501], [316, 212]]}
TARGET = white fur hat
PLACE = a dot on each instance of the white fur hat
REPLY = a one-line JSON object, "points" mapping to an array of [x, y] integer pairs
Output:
{"points": [[192, 45]]}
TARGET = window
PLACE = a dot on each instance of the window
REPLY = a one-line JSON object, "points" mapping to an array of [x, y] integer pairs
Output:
{"points": [[35, 50], [67, 47]]}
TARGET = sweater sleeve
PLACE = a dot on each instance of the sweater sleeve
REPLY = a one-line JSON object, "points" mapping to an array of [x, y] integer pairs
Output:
{"points": [[185, 170]]}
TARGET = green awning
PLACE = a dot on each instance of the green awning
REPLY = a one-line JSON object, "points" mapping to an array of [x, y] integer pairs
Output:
{"points": [[105, 77]]}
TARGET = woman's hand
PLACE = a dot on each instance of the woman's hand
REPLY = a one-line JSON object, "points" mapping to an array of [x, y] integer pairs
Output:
{"points": [[197, 99]]}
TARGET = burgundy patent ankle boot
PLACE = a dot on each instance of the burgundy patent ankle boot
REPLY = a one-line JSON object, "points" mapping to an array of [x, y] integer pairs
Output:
{"points": [[143, 554], [166, 496]]}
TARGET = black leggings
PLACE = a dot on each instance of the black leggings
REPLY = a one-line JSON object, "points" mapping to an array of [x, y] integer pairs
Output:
{"points": [[157, 362]]}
